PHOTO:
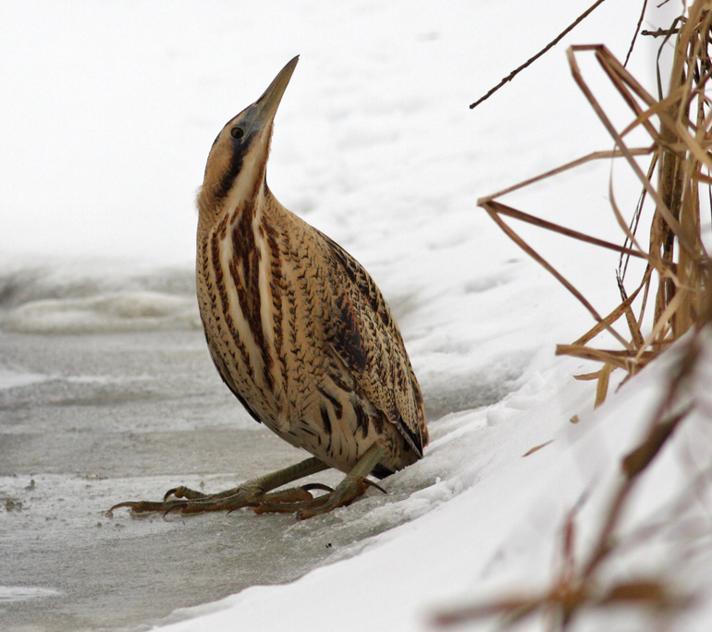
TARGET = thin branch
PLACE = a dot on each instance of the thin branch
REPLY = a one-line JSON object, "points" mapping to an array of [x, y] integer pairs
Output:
{"points": [[660, 32], [637, 30], [633, 227], [531, 60], [503, 209], [594, 155]]}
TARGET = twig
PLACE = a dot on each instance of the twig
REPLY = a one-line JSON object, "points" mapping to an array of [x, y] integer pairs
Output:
{"points": [[532, 59], [509, 211], [633, 227], [673, 30], [637, 30], [660, 32], [594, 155]]}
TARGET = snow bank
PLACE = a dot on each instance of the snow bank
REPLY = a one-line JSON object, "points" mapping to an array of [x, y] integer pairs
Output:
{"points": [[501, 527]]}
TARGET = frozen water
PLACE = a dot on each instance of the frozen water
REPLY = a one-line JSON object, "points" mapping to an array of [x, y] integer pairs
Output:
{"points": [[128, 415], [13, 379], [24, 593]]}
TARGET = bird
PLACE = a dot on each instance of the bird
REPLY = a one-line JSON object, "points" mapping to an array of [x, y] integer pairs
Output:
{"points": [[298, 331]]}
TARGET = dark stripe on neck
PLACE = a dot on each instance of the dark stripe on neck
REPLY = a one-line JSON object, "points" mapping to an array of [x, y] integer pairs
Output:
{"points": [[238, 154]]}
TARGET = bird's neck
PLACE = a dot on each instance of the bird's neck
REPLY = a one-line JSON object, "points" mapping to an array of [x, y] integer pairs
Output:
{"points": [[213, 213]]}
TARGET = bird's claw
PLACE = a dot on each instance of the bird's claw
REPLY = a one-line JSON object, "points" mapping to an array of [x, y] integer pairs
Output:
{"points": [[184, 492], [374, 484], [187, 501], [309, 506], [309, 486]]}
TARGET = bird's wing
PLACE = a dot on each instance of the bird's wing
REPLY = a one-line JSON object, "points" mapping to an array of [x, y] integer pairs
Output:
{"points": [[227, 380], [364, 335]]}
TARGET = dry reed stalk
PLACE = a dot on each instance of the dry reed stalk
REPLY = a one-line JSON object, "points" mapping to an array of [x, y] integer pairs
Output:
{"points": [[678, 269]]}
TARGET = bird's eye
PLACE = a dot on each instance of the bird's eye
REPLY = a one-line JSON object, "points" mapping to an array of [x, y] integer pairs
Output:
{"points": [[237, 132]]}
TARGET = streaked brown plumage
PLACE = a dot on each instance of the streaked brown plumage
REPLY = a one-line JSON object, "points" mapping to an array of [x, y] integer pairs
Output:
{"points": [[296, 327]]}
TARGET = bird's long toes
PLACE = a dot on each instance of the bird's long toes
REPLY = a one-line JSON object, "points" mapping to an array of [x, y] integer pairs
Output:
{"points": [[287, 500], [300, 502], [147, 506], [344, 495], [228, 501], [184, 492], [320, 505], [214, 504], [189, 501]]}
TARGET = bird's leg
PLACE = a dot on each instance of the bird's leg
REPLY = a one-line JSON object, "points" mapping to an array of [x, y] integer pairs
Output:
{"points": [[265, 483], [352, 487], [248, 494]]}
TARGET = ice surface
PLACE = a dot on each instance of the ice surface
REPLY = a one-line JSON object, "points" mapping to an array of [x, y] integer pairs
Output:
{"points": [[23, 593], [121, 416], [129, 415], [13, 379]]}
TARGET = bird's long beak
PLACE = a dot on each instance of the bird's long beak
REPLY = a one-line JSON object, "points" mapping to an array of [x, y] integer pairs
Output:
{"points": [[266, 106]]}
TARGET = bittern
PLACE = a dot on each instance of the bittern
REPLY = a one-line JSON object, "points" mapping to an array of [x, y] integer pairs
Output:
{"points": [[298, 331]]}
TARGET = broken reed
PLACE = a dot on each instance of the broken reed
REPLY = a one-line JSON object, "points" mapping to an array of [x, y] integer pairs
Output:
{"points": [[677, 273]]}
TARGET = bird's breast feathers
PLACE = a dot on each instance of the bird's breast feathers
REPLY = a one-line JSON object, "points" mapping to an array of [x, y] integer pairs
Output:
{"points": [[297, 315]]}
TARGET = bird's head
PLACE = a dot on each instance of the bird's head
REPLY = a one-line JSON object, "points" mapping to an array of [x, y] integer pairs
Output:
{"points": [[235, 170]]}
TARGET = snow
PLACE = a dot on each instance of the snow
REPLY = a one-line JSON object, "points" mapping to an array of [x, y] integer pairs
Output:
{"points": [[105, 134], [500, 527]]}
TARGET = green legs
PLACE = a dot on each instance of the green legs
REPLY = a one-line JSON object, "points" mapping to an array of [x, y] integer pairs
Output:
{"points": [[352, 487], [258, 495]]}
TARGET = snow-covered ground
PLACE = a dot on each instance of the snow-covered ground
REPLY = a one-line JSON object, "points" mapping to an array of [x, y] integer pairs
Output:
{"points": [[109, 112]]}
